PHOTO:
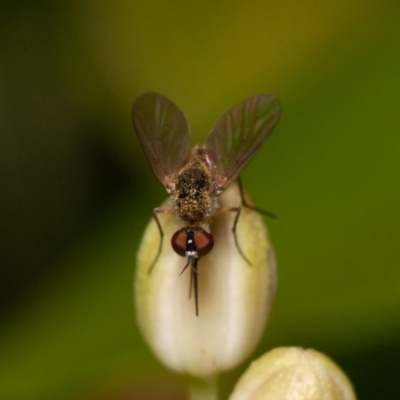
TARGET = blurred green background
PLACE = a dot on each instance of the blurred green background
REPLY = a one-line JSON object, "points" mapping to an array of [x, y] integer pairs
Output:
{"points": [[77, 192]]}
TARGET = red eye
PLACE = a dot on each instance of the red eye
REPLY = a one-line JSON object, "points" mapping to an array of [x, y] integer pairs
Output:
{"points": [[204, 242], [200, 242], [178, 242]]}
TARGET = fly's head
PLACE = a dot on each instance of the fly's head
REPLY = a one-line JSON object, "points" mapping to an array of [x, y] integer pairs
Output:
{"points": [[192, 242]]}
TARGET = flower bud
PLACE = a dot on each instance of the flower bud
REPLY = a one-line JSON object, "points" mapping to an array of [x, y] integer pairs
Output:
{"points": [[292, 373], [234, 297]]}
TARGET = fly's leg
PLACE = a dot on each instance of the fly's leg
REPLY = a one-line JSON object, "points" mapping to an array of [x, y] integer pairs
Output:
{"points": [[158, 210], [245, 204], [237, 210]]}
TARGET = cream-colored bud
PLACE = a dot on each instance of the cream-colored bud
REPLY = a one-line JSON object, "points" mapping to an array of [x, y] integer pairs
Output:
{"points": [[234, 297], [291, 373]]}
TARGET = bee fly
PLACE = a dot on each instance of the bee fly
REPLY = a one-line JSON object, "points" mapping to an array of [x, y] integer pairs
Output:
{"points": [[194, 178]]}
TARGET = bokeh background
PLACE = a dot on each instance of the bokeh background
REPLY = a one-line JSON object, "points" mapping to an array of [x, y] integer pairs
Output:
{"points": [[77, 192]]}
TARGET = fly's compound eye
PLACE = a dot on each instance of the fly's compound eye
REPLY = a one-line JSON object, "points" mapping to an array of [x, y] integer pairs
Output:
{"points": [[200, 242], [204, 242], [178, 242]]}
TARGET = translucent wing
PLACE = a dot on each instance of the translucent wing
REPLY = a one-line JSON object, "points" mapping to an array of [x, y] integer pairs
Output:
{"points": [[238, 134], [164, 134]]}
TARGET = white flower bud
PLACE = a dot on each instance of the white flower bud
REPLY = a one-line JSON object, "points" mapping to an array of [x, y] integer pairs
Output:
{"points": [[293, 374], [234, 297]]}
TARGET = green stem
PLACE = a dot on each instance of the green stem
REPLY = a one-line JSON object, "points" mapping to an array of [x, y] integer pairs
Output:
{"points": [[203, 389]]}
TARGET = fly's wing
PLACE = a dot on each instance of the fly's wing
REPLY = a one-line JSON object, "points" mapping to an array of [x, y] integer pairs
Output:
{"points": [[238, 134], [163, 133]]}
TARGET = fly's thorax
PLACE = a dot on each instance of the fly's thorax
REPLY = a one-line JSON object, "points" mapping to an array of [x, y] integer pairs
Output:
{"points": [[193, 195]]}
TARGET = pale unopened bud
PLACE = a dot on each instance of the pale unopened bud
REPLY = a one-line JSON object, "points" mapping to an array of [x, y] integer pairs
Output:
{"points": [[292, 374], [234, 297]]}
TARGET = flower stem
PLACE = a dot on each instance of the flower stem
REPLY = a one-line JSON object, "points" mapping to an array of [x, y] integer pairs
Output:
{"points": [[203, 389]]}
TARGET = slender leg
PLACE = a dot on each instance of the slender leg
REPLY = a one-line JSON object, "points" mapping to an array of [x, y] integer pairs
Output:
{"points": [[264, 212], [237, 210], [158, 210]]}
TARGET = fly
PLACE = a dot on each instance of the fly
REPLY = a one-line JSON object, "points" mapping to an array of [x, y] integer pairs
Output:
{"points": [[194, 178]]}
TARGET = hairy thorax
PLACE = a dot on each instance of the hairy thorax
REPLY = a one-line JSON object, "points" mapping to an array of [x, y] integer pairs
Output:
{"points": [[193, 195]]}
